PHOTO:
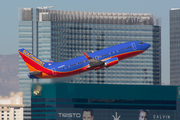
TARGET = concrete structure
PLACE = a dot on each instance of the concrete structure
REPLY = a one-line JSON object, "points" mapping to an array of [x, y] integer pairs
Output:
{"points": [[61, 35], [11, 108], [175, 46]]}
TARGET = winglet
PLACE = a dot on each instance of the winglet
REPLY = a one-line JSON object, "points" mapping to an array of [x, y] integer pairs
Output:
{"points": [[50, 61], [87, 56]]}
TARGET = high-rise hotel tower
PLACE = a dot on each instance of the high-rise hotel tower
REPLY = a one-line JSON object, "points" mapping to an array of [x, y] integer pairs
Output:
{"points": [[175, 46], [61, 35]]}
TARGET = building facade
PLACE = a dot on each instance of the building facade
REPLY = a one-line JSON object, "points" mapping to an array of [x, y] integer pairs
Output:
{"points": [[62, 35], [174, 46], [11, 108], [67, 101]]}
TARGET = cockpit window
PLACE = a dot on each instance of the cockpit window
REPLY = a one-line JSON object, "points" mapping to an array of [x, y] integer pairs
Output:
{"points": [[141, 43]]}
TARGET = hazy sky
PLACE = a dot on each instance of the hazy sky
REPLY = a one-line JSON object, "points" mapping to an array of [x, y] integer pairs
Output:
{"points": [[160, 8]]}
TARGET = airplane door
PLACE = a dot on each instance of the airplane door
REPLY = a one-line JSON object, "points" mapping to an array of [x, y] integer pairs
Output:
{"points": [[53, 71], [134, 46]]}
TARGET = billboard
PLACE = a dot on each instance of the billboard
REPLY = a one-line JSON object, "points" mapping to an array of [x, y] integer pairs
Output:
{"points": [[114, 114], [104, 102]]}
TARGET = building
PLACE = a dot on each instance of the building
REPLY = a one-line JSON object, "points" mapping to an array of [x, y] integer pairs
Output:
{"points": [[11, 108], [62, 35], [175, 46], [64, 101]]}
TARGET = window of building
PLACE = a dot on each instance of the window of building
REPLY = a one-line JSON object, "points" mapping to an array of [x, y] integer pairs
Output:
{"points": [[7, 111], [2, 111], [7, 114], [2, 115], [2, 118], [2, 107], [7, 107]]}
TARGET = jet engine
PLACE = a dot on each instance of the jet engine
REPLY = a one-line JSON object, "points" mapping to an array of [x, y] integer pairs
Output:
{"points": [[110, 62]]}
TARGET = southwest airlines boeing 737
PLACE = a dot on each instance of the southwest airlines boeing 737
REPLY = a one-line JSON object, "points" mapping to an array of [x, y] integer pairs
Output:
{"points": [[93, 61]]}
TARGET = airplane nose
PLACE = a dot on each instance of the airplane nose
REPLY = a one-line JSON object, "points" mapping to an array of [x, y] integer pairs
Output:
{"points": [[145, 46]]}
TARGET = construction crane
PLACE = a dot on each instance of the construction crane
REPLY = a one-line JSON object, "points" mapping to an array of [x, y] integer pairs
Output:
{"points": [[46, 7]]}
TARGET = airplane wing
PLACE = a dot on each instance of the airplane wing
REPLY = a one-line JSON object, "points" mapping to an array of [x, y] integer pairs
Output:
{"points": [[97, 64], [93, 62]]}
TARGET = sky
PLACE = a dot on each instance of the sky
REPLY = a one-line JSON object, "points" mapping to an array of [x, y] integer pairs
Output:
{"points": [[160, 8]]}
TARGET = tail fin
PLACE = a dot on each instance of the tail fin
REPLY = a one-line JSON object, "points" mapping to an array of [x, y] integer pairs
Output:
{"points": [[32, 62]]}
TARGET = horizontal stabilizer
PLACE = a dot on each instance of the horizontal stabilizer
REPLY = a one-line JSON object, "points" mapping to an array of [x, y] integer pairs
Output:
{"points": [[35, 73]]}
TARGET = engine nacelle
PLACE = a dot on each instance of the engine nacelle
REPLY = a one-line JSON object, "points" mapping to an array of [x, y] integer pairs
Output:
{"points": [[110, 62]]}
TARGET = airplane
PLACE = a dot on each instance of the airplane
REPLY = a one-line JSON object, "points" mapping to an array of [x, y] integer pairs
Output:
{"points": [[93, 61]]}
